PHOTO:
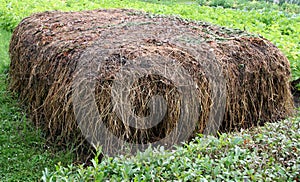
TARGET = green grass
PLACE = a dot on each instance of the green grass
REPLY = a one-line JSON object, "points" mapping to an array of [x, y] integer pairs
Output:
{"points": [[24, 153], [4, 43], [267, 153]]}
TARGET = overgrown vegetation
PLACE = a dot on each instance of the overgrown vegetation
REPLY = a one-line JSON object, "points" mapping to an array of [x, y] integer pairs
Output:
{"points": [[267, 153], [248, 5]]}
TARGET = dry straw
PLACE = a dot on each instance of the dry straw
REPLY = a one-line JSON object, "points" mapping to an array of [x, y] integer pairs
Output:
{"points": [[46, 49]]}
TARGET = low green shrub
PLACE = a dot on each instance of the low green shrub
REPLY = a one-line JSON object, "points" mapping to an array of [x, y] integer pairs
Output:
{"points": [[249, 5], [223, 3], [270, 153]]}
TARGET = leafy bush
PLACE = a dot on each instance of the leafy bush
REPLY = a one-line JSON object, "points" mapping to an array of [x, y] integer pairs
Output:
{"points": [[270, 153], [284, 1], [252, 5], [223, 3], [203, 2]]}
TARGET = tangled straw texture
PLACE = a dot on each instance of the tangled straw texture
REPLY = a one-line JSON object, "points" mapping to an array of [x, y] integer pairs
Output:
{"points": [[47, 48]]}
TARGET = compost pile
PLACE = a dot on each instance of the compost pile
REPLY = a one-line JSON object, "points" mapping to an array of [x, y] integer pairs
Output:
{"points": [[51, 51]]}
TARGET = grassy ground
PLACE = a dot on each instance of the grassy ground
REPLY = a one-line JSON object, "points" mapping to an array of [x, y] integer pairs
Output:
{"points": [[24, 155], [4, 43]]}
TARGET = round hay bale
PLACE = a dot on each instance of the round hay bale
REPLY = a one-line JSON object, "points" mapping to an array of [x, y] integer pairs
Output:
{"points": [[242, 79]]}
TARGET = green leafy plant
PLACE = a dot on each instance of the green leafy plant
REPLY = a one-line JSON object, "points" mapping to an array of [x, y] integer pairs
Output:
{"points": [[249, 5], [203, 2], [223, 3], [265, 153]]}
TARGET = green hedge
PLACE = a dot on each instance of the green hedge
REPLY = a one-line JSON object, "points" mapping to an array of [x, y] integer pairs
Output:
{"points": [[270, 153]]}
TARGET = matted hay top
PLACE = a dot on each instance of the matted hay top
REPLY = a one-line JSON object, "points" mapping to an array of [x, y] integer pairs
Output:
{"points": [[49, 50]]}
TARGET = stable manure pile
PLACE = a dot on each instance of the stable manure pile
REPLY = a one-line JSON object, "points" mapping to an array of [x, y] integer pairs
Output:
{"points": [[143, 77]]}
